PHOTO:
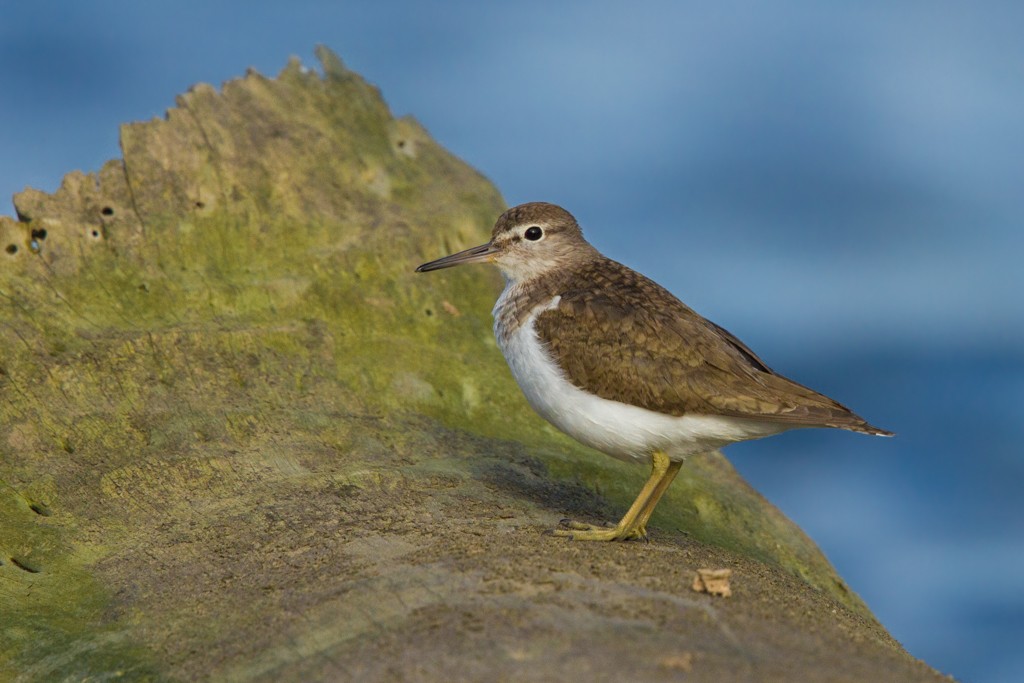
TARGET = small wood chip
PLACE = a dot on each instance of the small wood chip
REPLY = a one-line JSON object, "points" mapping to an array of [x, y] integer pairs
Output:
{"points": [[450, 309], [713, 582]]}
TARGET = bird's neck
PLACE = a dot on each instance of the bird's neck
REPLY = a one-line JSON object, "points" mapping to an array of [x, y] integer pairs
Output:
{"points": [[520, 298]]}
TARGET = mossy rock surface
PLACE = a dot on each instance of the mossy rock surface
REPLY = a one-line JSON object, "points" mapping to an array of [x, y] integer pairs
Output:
{"points": [[241, 440]]}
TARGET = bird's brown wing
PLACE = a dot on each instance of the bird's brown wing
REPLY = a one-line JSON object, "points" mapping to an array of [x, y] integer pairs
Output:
{"points": [[646, 348]]}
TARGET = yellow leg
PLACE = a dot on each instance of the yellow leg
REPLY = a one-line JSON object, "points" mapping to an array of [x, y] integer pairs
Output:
{"points": [[633, 523], [659, 491]]}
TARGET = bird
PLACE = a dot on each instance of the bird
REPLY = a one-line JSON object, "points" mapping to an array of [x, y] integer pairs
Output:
{"points": [[620, 364]]}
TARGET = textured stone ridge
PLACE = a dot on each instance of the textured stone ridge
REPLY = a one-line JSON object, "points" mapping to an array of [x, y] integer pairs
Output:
{"points": [[239, 439]]}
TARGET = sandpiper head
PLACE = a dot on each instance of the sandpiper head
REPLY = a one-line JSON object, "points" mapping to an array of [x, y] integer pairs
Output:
{"points": [[528, 241]]}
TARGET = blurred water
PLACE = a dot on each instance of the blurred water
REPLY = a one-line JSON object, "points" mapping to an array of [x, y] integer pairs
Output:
{"points": [[929, 522], [837, 184]]}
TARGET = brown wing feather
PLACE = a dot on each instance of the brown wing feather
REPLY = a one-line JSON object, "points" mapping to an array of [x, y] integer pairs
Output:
{"points": [[638, 344]]}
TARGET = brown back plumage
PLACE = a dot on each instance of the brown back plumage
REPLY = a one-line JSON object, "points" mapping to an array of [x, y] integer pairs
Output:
{"points": [[619, 335]]}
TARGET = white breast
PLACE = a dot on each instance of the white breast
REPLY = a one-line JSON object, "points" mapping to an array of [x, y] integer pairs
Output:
{"points": [[624, 431]]}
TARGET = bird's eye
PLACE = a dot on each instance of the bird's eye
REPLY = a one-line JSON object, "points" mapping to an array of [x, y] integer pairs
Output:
{"points": [[533, 233]]}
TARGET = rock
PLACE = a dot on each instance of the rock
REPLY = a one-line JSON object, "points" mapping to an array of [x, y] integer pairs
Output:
{"points": [[243, 441]]}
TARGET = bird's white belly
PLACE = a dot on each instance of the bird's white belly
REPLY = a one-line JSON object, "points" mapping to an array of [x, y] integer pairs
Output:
{"points": [[624, 431]]}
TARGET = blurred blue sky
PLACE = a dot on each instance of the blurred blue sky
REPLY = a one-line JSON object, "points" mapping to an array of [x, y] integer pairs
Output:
{"points": [[839, 184]]}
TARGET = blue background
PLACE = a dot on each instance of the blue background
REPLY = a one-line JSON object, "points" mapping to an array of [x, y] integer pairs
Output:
{"points": [[839, 184]]}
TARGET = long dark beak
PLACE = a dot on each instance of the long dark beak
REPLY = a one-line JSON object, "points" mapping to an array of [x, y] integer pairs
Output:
{"points": [[479, 254]]}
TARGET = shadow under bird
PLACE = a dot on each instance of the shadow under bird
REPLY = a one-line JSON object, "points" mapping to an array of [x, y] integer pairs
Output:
{"points": [[617, 362]]}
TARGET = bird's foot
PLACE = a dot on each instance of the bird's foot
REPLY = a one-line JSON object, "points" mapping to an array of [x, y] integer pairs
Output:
{"points": [[581, 531]]}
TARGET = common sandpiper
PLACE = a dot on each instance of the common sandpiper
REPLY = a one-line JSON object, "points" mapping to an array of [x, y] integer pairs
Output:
{"points": [[614, 360]]}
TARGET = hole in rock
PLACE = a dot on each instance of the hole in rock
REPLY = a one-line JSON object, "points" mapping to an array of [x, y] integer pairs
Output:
{"points": [[25, 566], [40, 509]]}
